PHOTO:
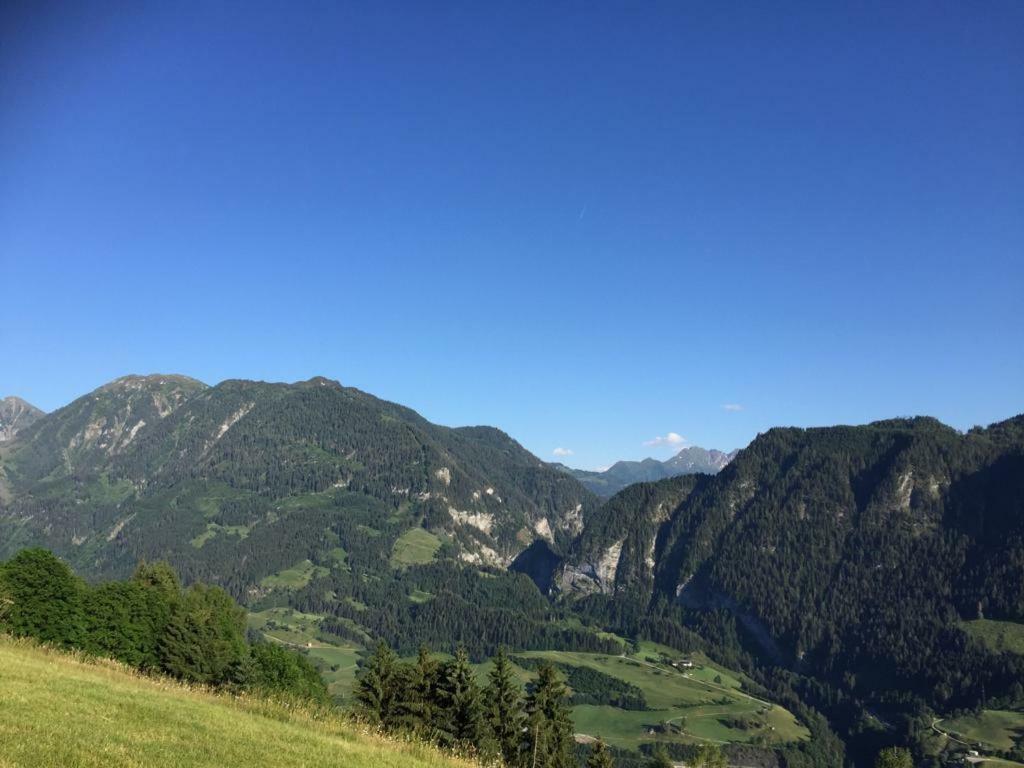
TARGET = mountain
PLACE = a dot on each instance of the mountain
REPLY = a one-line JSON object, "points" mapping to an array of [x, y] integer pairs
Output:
{"points": [[15, 415], [699, 460], [214, 477], [688, 461], [856, 556], [855, 571]]}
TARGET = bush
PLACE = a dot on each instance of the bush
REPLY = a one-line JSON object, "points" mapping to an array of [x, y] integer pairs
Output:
{"points": [[273, 669]]}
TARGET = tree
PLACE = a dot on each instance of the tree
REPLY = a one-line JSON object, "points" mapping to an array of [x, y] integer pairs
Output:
{"points": [[274, 669], [421, 694], [44, 598], [159, 576], [205, 638], [710, 756], [599, 756], [549, 741], [125, 621], [660, 758], [460, 712], [894, 757], [504, 709], [379, 689]]}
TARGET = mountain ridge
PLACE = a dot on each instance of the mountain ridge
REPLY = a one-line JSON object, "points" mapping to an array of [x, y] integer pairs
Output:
{"points": [[805, 536], [835, 564], [690, 460], [115, 450]]}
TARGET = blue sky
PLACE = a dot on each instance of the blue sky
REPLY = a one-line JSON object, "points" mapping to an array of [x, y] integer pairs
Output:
{"points": [[590, 224]]}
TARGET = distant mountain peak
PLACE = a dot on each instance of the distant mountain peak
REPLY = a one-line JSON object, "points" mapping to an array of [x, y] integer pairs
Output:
{"points": [[15, 415], [690, 460]]}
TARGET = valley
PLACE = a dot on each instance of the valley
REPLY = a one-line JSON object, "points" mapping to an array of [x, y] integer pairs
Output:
{"points": [[702, 703], [826, 585]]}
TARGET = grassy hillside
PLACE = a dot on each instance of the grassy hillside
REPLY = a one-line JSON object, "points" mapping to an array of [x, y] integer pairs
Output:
{"points": [[704, 704], [995, 728], [998, 636], [63, 711]]}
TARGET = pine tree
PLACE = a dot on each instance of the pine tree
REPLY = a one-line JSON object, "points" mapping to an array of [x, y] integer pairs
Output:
{"points": [[379, 688], [894, 757], [205, 638], [418, 709], [460, 717], [549, 740], [660, 758], [709, 756], [504, 709], [599, 756]]}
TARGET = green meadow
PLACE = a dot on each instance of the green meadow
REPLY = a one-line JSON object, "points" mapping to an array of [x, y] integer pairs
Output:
{"points": [[63, 711], [994, 728], [702, 704], [997, 636]]}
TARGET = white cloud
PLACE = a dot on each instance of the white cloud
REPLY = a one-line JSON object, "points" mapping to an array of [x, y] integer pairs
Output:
{"points": [[562, 452], [671, 440], [732, 407]]}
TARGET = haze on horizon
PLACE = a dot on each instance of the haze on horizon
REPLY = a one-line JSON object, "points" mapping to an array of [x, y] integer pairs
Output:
{"points": [[608, 233]]}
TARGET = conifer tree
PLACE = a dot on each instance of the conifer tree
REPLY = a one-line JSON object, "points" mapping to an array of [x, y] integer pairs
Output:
{"points": [[420, 694], [894, 757], [599, 756], [549, 741], [660, 758], [205, 638], [379, 688], [460, 716], [504, 709], [710, 756]]}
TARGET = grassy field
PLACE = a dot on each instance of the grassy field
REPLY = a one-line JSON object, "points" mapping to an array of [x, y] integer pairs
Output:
{"points": [[286, 626], [997, 635], [337, 665], [299, 575], [413, 547], [706, 702], [336, 661], [993, 727], [706, 710], [59, 711], [212, 529]]}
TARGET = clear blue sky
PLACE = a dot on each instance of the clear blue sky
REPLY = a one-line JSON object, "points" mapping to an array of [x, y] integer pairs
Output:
{"points": [[590, 224]]}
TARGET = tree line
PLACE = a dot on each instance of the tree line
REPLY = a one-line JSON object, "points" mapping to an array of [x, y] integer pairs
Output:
{"points": [[499, 722], [150, 622]]}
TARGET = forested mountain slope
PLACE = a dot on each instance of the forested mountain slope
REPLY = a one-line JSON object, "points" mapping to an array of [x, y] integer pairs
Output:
{"points": [[848, 553], [236, 481]]}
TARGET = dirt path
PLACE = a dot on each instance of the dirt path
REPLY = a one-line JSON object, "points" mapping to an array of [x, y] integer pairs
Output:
{"points": [[947, 734]]}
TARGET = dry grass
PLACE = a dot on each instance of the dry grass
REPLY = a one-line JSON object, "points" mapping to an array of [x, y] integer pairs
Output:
{"points": [[64, 709]]}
